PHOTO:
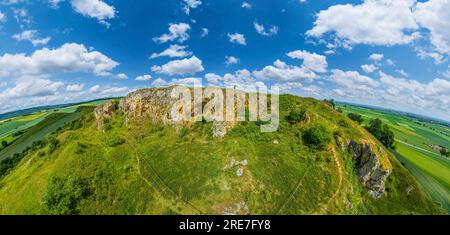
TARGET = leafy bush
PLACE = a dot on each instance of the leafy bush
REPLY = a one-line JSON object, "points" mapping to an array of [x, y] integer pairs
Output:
{"points": [[76, 124], [295, 116], [356, 117], [8, 164], [4, 144], [53, 144], [343, 123], [381, 132], [63, 195], [317, 136], [331, 103]]}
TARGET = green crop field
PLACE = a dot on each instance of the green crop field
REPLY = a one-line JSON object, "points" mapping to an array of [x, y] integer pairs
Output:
{"points": [[12, 129], [414, 140], [38, 132]]}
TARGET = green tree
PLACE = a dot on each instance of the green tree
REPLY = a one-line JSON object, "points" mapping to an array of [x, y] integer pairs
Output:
{"points": [[381, 132], [4, 144], [356, 117], [295, 116], [53, 144], [63, 195], [331, 102], [317, 136]]}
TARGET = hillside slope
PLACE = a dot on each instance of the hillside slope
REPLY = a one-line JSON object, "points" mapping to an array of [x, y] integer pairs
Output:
{"points": [[37, 132], [122, 160]]}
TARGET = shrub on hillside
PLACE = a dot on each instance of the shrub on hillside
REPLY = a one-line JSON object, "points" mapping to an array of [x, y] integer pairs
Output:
{"points": [[63, 195], [53, 144], [356, 117], [381, 132], [317, 136], [8, 164], [295, 116], [331, 103]]}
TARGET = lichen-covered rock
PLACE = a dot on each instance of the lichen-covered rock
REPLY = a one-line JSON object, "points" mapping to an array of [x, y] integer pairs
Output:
{"points": [[104, 111], [219, 129], [156, 105], [370, 170]]}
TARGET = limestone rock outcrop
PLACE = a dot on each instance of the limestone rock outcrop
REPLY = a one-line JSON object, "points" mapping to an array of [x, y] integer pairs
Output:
{"points": [[155, 105], [371, 171], [104, 111]]}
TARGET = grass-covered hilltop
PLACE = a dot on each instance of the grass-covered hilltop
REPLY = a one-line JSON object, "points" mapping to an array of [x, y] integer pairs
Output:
{"points": [[121, 158]]}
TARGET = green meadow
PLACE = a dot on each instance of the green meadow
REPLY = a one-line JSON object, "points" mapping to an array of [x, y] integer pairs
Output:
{"points": [[414, 140]]}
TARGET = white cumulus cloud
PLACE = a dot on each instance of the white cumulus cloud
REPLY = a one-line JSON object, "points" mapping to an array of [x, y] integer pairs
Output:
{"points": [[312, 61], [373, 22], [246, 5], [237, 38], [280, 71], [434, 16], [230, 60], [173, 51], [369, 68], [33, 37], [75, 87], [177, 32], [376, 57], [261, 29], [191, 4], [94, 9], [143, 77], [70, 57], [180, 67]]}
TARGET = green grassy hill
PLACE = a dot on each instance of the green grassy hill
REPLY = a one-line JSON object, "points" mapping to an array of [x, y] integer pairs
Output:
{"points": [[136, 166]]}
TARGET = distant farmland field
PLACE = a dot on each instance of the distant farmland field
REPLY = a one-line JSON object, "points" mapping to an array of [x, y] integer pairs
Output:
{"points": [[21, 131], [414, 140]]}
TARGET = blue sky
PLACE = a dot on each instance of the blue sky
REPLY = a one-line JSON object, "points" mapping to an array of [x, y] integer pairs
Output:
{"points": [[387, 53]]}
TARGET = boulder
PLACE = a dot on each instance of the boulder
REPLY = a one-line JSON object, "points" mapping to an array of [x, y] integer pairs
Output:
{"points": [[219, 129]]}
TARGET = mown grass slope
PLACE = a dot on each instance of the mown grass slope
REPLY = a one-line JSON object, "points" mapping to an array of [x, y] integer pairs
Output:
{"points": [[134, 166]]}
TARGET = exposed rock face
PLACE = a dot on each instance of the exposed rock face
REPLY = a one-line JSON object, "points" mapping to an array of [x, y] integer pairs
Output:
{"points": [[370, 171], [104, 111], [150, 103], [156, 105]]}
